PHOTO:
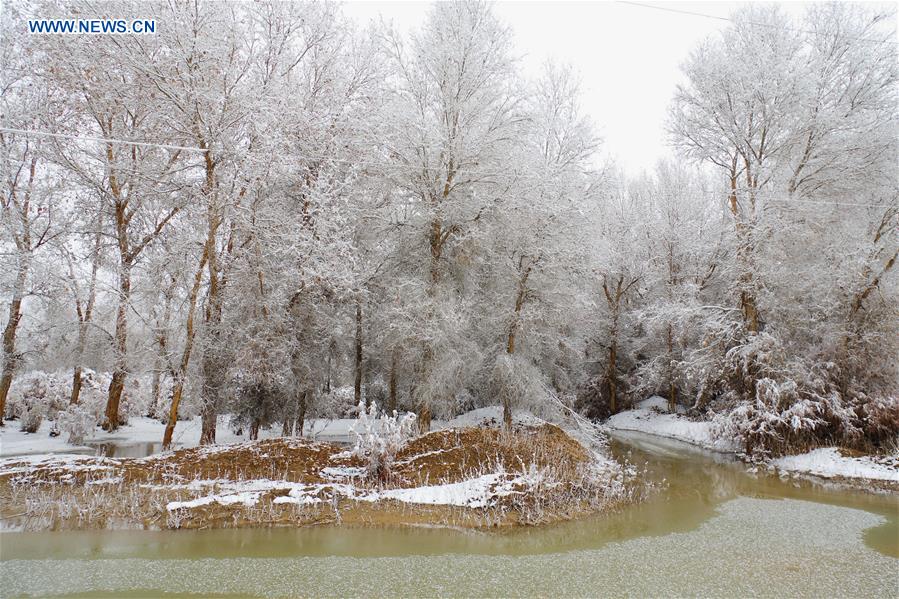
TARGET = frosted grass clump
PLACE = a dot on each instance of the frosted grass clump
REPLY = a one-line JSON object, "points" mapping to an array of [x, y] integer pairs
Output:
{"points": [[380, 437]]}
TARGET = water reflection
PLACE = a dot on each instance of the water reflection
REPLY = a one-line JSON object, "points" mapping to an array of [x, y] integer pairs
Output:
{"points": [[112, 449]]}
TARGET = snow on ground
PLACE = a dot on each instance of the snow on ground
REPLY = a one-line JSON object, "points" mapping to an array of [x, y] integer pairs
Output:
{"points": [[474, 492], [487, 415], [480, 491], [828, 462], [62, 461], [139, 430], [646, 418]]}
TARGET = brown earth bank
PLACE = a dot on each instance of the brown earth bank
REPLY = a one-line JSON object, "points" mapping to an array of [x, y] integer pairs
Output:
{"points": [[468, 477]]}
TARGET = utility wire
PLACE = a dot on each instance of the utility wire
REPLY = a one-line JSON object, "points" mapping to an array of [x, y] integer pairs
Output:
{"points": [[790, 201], [102, 139], [717, 18]]}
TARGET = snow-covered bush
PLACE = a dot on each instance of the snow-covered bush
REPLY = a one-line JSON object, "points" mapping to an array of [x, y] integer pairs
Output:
{"points": [[464, 402], [94, 392], [77, 421], [376, 392], [32, 419], [338, 403], [48, 391], [773, 406], [881, 421], [378, 439]]}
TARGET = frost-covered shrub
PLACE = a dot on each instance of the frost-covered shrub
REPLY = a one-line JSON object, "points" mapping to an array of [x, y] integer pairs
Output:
{"points": [[32, 419], [773, 406], [257, 405], [881, 421], [338, 403], [77, 421], [94, 392], [464, 402], [376, 392], [48, 391], [136, 397], [378, 439]]}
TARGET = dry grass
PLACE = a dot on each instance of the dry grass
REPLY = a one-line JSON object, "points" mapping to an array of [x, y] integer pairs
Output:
{"points": [[451, 455]]}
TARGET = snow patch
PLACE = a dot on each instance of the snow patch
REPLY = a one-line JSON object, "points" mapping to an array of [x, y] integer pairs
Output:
{"points": [[490, 415], [475, 492], [828, 462], [647, 419], [342, 472]]}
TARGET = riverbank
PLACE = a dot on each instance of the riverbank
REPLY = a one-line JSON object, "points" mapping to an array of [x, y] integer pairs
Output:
{"points": [[879, 473], [460, 477]]}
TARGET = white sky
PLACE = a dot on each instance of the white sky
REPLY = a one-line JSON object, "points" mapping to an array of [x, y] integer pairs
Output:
{"points": [[628, 57]]}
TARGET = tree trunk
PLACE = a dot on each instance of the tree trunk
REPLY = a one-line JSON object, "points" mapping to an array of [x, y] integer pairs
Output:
{"points": [[213, 374], [254, 429], [9, 336], [391, 398], [86, 316], [357, 383], [610, 375], [117, 385], [155, 389], [327, 387], [510, 341], [177, 389], [79, 353], [213, 369], [612, 372], [424, 418], [158, 367], [301, 413], [76, 386], [178, 383], [746, 279], [672, 388], [209, 416]]}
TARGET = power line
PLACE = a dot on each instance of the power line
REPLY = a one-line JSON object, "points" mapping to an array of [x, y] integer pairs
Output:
{"points": [[717, 18], [103, 140], [763, 199], [790, 201]]}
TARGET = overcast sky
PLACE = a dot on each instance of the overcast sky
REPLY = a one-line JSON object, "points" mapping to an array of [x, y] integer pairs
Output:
{"points": [[628, 57]]}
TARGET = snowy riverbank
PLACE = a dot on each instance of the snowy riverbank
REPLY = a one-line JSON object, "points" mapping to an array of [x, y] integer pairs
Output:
{"points": [[830, 462], [651, 417]]}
